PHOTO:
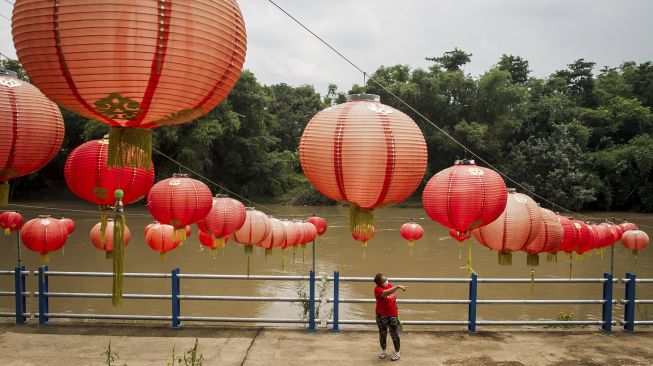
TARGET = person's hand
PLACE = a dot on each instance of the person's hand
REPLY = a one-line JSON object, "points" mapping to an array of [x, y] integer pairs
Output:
{"points": [[403, 288]]}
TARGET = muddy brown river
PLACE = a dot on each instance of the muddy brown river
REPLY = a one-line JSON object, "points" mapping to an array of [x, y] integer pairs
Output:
{"points": [[435, 255]]}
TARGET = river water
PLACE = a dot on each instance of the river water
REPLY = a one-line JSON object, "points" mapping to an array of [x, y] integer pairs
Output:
{"points": [[435, 255]]}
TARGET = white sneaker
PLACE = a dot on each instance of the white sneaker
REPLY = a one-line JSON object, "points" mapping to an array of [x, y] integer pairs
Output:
{"points": [[395, 357], [382, 355]]}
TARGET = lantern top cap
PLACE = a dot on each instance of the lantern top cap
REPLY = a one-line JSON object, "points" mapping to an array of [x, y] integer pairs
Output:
{"points": [[180, 175], [5, 72], [44, 216], [250, 208], [363, 97], [221, 195], [512, 190], [465, 162]]}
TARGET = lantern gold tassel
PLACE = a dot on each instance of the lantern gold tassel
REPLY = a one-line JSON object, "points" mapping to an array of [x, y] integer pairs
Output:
{"points": [[283, 259], [533, 260], [45, 258], [361, 219], [505, 258], [130, 147], [104, 219], [214, 252], [468, 267], [119, 225], [268, 252], [163, 256], [552, 257], [532, 281], [180, 234], [7, 231], [218, 242], [4, 194]]}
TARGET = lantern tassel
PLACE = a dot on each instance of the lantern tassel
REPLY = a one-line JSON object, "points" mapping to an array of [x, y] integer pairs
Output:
{"points": [[45, 258], [130, 147], [303, 252], [532, 281], [104, 219], [283, 259], [118, 255], [108, 255], [4, 194], [460, 251], [468, 267], [552, 257], [268, 252], [505, 258], [7, 231], [163, 255], [533, 260], [248, 265], [180, 234], [570, 266], [218, 242], [214, 252], [361, 219]]}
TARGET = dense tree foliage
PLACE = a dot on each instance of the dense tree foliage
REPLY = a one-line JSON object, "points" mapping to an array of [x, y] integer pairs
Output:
{"points": [[580, 138]]}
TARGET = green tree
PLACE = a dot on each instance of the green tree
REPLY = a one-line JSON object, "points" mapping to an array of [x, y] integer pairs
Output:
{"points": [[452, 60]]}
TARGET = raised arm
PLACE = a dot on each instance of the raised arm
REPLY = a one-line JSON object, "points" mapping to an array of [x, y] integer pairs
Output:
{"points": [[391, 290]]}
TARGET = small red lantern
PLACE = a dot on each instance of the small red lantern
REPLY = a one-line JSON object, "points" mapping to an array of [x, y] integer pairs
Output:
{"points": [[635, 240], [319, 223], [209, 241], [547, 241], [275, 238], [179, 201], [516, 227], [364, 153], [411, 231], [255, 229], [294, 234], [106, 243], [226, 216], [570, 236], [162, 238], [148, 226], [628, 226], [363, 236], [31, 130], [69, 224], [11, 221], [44, 235], [585, 236], [464, 197]]}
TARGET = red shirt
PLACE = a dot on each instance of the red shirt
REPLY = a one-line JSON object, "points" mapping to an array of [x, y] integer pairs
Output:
{"points": [[385, 306]]}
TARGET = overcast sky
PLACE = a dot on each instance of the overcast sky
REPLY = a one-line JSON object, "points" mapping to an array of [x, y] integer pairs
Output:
{"points": [[548, 33]]}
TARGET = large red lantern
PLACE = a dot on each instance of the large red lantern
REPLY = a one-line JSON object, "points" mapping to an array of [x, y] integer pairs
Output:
{"points": [[411, 231], [363, 236], [88, 176], [364, 153], [106, 242], [516, 227], [226, 216], [179, 201], [319, 223], [162, 238], [11, 221], [547, 241], [31, 130], [44, 235], [635, 240], [130, 64], [276, 237], [464, 197]]}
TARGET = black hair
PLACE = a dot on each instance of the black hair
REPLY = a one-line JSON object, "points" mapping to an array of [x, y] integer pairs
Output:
{"points": [[377, 278]]}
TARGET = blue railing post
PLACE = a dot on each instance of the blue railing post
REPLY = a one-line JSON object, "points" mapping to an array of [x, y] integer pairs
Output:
{"points": [[629, 309], [607, 303], [176, 305], [21, 303], [336, 301], [43, 298], [473, 295], [311, 302]]}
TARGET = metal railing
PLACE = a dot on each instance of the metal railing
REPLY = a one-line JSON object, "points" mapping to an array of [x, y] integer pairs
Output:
{"points": [[176, 298]]}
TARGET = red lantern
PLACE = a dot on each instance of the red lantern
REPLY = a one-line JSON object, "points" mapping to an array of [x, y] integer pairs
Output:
{"points": [[364, 153], [570, 236], [129, 64], [31, 130], [88, 176], [635, 240], [44, 235], [149, 226], [11, 221], [276, 236], [254, 230], [607, 235], [319, 223], [628, 226], [516, 227], [162, 238], [585, 236], [363, 236], [209, 241], [617, 231], [547, 241], [106, 243], [179, 201], [69, 224], [293, 232], [411, 231], [464, 197], [226, 216]]}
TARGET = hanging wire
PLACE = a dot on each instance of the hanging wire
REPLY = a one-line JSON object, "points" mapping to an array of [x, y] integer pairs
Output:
{"points": [[407, 105], [61, 210]]}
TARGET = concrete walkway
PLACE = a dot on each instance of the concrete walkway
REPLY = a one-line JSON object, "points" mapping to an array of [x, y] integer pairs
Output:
{"points": [[83, 344]]}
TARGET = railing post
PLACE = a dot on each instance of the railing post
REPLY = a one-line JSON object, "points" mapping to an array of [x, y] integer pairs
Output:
{"points": [[607, 304], [19, 286], [43, 298], [629, 309], [336, 301], [176, 305], [473, 295], [311, 302]]}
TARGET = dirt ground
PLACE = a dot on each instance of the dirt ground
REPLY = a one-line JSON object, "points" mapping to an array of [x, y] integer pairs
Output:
{"points": [[83, 344]]}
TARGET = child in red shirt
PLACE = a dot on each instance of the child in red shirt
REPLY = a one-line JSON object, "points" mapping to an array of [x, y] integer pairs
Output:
{"points": [[387, 313]]}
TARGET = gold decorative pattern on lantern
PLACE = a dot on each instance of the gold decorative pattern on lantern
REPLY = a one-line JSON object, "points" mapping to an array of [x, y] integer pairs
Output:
{"points": [[175, 182], [115, 106], [476, 171]]}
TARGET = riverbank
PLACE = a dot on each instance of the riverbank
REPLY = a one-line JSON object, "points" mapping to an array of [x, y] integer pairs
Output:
{"points": [[83, 344]]}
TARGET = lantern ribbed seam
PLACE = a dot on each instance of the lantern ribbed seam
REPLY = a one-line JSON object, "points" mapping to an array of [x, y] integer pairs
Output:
{"points": [[66, 72], [390, 158], [530, 227], [452, 173], [338, 137], [14, 127], [483, 193]]}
